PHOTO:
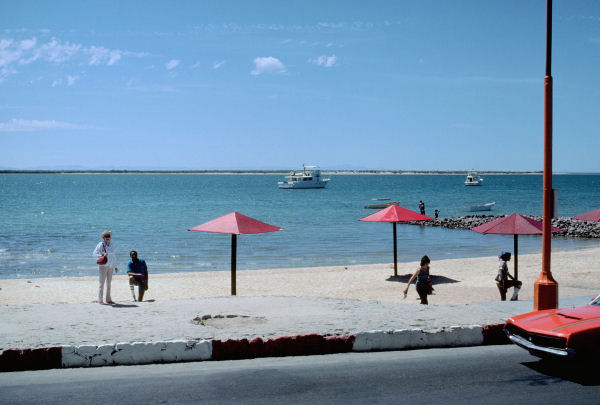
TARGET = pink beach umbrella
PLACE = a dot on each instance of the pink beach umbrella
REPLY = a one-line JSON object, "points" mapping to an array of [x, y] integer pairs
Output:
{"points": [[589, 216], [515, 224], [235, 224], [394, 214]]}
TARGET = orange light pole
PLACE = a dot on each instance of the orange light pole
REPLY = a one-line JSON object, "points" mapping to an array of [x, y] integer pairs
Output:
{"points": [[545, 289]]}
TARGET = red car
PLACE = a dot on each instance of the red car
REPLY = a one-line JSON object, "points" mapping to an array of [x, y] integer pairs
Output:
{"points": [[566, 332]]}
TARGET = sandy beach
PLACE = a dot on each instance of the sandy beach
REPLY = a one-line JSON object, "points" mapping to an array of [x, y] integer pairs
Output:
{"points": [[459, 281], [279, 302]]}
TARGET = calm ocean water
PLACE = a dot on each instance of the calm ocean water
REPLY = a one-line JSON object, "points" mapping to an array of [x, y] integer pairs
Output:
{"points": [[51, 222]]}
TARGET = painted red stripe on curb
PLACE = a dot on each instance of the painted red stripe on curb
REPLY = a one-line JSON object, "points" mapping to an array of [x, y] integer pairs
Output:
{"points": [[30, 359], [494, 334], [300, 345]]}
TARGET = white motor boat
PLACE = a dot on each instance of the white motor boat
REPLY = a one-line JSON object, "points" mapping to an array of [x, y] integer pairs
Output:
{"points": [[479, 207], [309, 177], [473, 179]]}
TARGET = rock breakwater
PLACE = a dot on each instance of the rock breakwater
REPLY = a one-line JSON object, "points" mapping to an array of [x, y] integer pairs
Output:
{"points": [[571, 228]]}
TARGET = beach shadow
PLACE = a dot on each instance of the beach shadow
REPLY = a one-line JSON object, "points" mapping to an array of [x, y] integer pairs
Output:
{"points": [[124, 306], [434, 279], [579, 372]]}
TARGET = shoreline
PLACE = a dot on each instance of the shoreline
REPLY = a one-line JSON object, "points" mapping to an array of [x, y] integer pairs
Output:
{"points": [[163, 272], [458, 281], [286, 171]]}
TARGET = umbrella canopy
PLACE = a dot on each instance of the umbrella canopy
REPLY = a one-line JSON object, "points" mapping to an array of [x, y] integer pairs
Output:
{"points": [[235, 224], [515, 224], [589, 216], [394, 214]]}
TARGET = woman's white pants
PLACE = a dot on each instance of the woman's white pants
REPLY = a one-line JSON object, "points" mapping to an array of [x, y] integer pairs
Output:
{"points": [[105, 274]]}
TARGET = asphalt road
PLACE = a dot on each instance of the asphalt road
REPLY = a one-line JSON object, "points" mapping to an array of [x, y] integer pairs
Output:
{"points": [[475, 375]]}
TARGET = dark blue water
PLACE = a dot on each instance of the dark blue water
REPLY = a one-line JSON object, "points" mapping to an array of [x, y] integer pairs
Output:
{"points": [[50, 222]]}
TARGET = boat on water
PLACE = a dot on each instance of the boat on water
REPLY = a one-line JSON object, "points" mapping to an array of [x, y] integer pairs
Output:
{"points": [[381, 203], [479, 207], [309, 177], [473, 179]]}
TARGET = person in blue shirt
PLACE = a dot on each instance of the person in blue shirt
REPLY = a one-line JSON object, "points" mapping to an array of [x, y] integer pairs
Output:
{"points": [[138, 275]]}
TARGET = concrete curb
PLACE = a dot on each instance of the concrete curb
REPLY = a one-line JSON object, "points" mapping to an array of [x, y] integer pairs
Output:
{"points": [[130, 353], [399, 339]]}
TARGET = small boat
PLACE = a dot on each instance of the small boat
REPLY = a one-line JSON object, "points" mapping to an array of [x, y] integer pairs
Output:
{"points": [[309, 177], [382, 203], [479, 207], [473, 179]]}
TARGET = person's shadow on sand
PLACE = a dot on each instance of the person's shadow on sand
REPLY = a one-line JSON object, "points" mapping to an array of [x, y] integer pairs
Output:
{"points": [[129, 305], [434, 279]]}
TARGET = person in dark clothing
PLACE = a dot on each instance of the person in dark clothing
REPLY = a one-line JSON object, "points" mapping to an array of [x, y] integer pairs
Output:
{"points": [[422, 207], [138, 275], [436, 213], [423, 280]]}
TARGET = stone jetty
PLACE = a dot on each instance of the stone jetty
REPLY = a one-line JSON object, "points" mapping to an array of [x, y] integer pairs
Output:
{"points": [[572, 228]]}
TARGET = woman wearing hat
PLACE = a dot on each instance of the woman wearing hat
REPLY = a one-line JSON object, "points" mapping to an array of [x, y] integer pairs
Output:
{"points": [[106, 249]]}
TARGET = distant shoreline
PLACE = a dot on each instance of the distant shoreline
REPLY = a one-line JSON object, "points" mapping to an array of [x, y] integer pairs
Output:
{"points": [[285, 172]]}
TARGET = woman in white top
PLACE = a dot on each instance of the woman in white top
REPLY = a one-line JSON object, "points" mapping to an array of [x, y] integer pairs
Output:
{"points": [[105, 248]]}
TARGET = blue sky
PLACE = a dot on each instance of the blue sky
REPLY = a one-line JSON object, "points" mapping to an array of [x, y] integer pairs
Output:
{"points": [[403, 85]]}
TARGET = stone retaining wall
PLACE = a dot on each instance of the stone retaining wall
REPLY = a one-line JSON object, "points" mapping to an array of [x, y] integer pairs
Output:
{"points": [[572, 228]]}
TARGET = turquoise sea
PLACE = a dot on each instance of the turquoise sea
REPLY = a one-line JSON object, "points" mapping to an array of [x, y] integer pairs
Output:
{"points": [[51, 222]]}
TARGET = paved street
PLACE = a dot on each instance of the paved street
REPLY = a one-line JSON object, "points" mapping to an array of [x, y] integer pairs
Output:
{"points": [[485, 374]]}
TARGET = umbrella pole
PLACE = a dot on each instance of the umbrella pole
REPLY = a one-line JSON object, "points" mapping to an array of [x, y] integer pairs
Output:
{"points": [[516, 256], [395, 254], [233, 261]]}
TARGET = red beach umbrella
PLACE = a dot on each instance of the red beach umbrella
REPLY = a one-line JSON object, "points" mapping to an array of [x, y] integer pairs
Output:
{"points": [[394, 214], [235, 224], [515, 224], [589, 216]]}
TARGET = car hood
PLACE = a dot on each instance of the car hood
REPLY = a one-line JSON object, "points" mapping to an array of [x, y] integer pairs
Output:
{"points": [[559, 321]]}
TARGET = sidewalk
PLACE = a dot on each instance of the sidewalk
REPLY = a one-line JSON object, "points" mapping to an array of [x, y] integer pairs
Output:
{"points": [[91, 331]]}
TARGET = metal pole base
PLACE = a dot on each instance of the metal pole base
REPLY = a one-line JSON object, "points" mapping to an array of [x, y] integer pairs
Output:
{"points": [[545, 294]]}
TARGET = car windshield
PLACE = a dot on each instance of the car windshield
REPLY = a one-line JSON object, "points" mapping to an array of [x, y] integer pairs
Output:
{"points": [[596, 301]]}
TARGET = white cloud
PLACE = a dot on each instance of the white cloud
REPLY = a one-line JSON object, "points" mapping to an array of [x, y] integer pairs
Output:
{"points": [[18, 125], [269, 64], [15, 53], [172, 64], [54, 51], [324, 60], [99, 55], [27, 44], [196, 65], [68, 81], [218, 64]]}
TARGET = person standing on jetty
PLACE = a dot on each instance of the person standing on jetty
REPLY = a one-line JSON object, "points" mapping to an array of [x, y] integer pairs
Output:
{"points": [[422, 207], [138, 275], [502, 279], [423, 280], [106, 249]]}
